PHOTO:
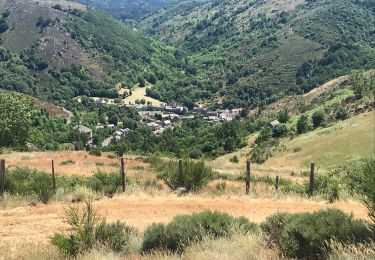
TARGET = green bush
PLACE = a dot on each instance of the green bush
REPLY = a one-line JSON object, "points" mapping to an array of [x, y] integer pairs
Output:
{"points": [[29, 182], [88, 231], [342, 114], [318, 117], [112, 235], [327, 185], [234, 159], [155, 237], [196, 175], [42, 186], [303, 124], [187, 229], [96, 152], [361, 180], [262, 151], [279, 130], [305, 235], [109, 183]]}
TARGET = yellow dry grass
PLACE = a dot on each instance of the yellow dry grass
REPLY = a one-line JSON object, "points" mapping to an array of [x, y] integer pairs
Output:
{"points": [[140, 209], [140, 93], [84, 163], [63, 3]]}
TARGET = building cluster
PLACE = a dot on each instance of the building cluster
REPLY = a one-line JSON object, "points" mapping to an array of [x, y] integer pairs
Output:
{"points": [[167, 116], [161, 119], [115, 136]]}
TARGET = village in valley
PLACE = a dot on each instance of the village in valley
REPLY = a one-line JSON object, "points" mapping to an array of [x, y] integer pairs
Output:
{"points": [[158, 117]]}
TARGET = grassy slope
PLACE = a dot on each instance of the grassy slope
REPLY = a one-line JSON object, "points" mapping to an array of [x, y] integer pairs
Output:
{"points": [[329, 147]]}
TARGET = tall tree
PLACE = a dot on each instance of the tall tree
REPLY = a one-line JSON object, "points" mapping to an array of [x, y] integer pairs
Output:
{"points": [[16, 112]]}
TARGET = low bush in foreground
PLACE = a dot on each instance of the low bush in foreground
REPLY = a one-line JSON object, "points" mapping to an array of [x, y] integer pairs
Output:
{"points": [[187, 229], [89, 231], [305, 235]]}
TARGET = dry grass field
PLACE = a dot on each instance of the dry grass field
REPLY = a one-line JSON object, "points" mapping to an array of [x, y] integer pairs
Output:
{"points": [[74, 163], [139, 209], [138, 94]]}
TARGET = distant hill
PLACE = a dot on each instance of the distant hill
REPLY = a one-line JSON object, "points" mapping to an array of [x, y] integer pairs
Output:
{"points": [[260, 50], [236, 53], [58, 50], [127, 9]]}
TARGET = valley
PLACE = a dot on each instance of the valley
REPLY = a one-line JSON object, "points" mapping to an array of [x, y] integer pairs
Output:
{"points": [[189, 129]]}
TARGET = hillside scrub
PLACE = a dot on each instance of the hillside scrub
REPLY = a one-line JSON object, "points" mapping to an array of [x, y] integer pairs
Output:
{"points": [[304, 235]]}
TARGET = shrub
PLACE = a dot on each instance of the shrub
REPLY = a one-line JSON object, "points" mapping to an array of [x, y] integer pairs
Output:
{"points": [[67, 162], [29, 182], [327, 185], [279, 131], [362, 182], [109, 183], [342, 114], [112, 235], [261, 152], [187, 229], [305, 235], [96, 152], [196, 175], [303, 124], [222, 186], [88, 231], [42, 186], [318, 117], [264, 135], [82, 194], [155, 237], [234, 159], [283, 116]]}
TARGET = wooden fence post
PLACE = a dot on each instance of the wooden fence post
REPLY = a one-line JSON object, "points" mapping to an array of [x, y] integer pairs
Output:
{"points": [[2, 177], [247, 177], [53, 176], [277, 182], [181, 178], [123, 179], [312, 172]]}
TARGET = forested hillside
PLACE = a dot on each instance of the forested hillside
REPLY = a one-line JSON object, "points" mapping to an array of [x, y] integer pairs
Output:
{"points": [[59, 51], [127, 9], [258, 51]]}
